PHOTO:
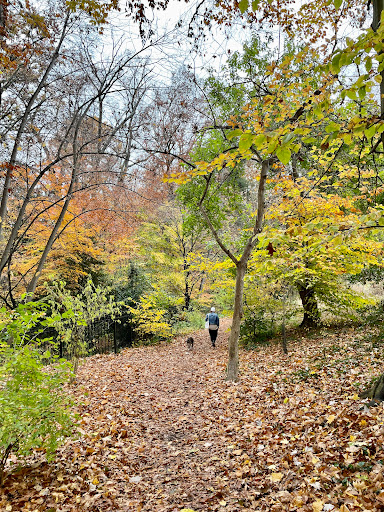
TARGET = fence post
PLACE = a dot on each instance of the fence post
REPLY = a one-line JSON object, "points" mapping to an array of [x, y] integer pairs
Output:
{"points": [[114, 336]]}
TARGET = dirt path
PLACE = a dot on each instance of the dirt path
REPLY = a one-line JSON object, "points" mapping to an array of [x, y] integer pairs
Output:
{"points": [[161, 430], [161, 401]]}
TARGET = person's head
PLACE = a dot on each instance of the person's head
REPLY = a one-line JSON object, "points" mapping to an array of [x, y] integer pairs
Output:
{"points": [[213, 310]]}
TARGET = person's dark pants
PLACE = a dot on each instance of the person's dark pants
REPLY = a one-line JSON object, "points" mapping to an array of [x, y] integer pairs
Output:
{"points": [[213, 335]]}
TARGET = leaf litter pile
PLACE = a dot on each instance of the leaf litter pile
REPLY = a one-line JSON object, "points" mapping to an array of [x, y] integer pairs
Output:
{"points": [[162, 431]]}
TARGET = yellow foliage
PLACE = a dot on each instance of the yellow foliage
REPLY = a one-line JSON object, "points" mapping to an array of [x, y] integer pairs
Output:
{"points": [[149, 320]]}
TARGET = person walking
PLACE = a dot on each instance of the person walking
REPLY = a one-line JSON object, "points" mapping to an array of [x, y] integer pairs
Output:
{"points": [[213, 325]]}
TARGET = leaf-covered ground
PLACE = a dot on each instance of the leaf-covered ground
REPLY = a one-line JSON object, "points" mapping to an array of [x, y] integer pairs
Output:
{"points": [[161, 430]]}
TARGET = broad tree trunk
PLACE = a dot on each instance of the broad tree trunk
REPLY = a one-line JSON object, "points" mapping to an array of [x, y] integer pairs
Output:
{"points": [[376, 392], [378, 7], [309, 302]]}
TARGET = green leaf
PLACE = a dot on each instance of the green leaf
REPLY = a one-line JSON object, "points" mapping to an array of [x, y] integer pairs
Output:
{"points": [[310, 140], [287, 138], [243, 6], [332, 127], [272, 145], [296, 148], [349, 58], [234, 133], [283, 154], [338, 240], [347, 137], [300, 131], [246, 141], [368, 64], [335, 65], [371, 131], [362, 92], [337, 3], [255, 4], [352, 94], [358, 129], [259, 140]]}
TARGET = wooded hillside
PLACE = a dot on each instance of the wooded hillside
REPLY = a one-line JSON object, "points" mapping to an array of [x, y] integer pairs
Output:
{"points": [[152, 171], [160, 429]]}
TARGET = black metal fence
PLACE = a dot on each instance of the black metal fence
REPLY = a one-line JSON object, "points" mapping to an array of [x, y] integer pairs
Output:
{"points": [[108, 335], [99, 337]]}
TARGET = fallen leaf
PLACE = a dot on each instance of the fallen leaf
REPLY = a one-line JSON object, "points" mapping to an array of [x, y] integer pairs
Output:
{"points": [[276, 477], [318, 506]]}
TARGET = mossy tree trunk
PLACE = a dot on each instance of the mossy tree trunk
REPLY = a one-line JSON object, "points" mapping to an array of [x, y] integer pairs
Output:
{"points": [[311, 310], [376, 392]]}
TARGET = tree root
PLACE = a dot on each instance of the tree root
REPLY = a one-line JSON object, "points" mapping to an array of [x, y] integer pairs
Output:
{"points": [[376, 392]]}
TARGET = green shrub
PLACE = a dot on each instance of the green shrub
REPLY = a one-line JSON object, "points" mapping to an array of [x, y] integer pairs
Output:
{"points": [[188, 321], [71, 314], [374, 316], [34, 412], [256, 328], [149, 322]]}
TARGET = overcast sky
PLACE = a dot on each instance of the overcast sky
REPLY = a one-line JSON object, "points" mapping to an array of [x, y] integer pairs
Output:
{"points": [[178, 50]]}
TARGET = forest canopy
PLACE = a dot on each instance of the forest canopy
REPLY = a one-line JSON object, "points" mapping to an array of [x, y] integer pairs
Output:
{"points": [[153, 169], [245, 180]]}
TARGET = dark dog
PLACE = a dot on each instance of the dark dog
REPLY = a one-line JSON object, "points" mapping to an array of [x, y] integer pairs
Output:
{"points": [[189, 342]]}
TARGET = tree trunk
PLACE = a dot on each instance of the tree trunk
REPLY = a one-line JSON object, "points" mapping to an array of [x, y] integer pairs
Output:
{"points": [[241, 267], [187, 299], [284, 332], [233, 342], [23, 123], [187, 290], [311, 310], [378, 7], [54, 233], [48, 246], [3, 460], [376, 392]]}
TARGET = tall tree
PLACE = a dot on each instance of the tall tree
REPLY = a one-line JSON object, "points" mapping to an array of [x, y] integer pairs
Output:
{"points": [[289, 113], [312, 241], [72, 115], [172, 249]]}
